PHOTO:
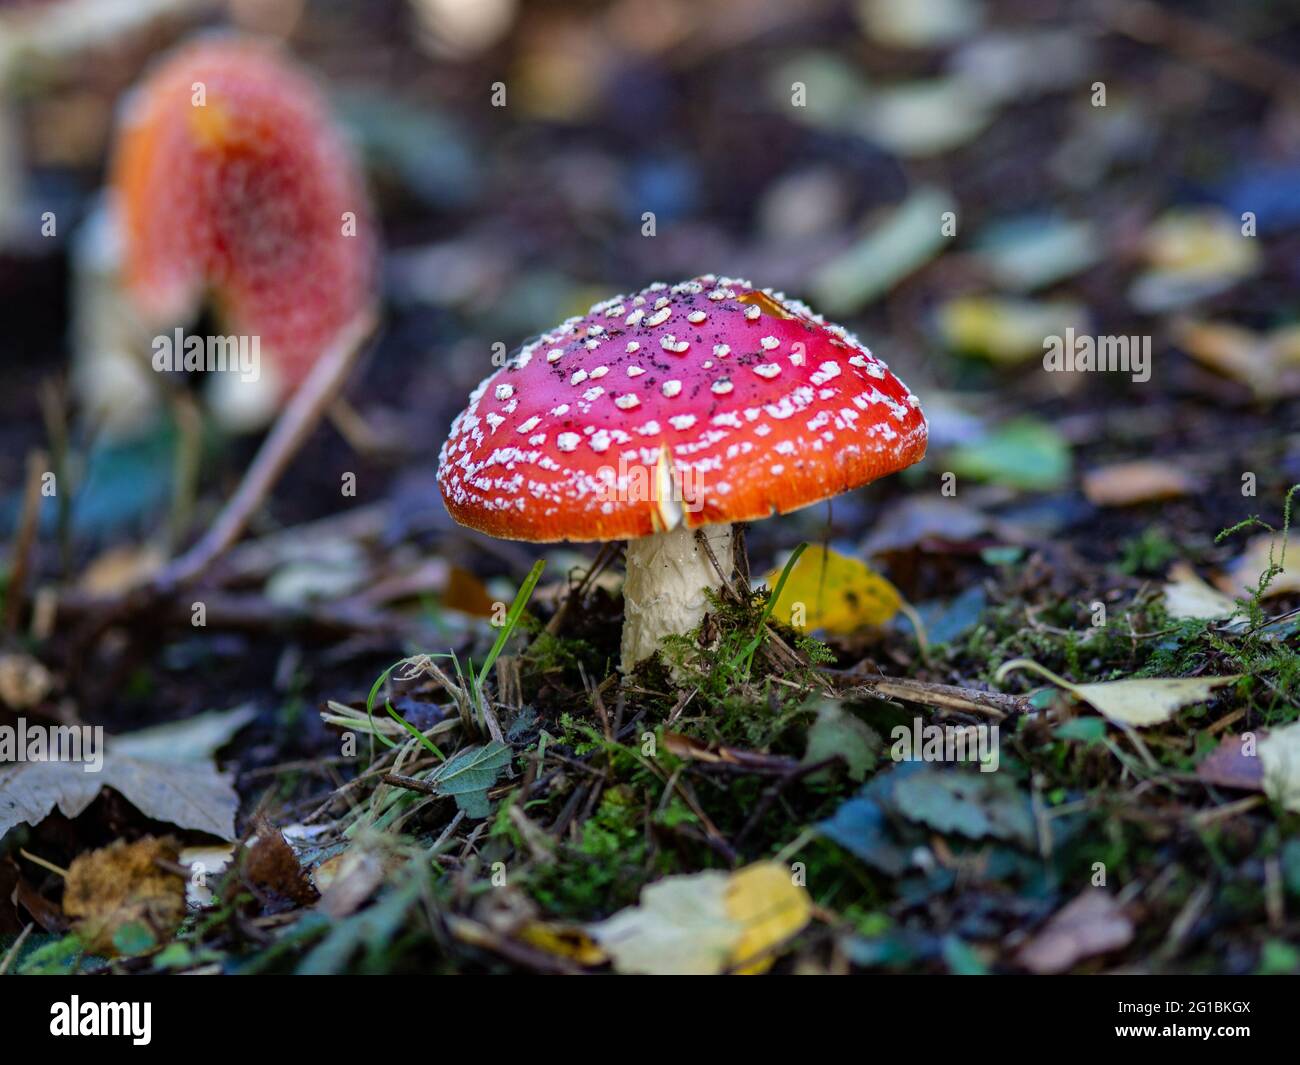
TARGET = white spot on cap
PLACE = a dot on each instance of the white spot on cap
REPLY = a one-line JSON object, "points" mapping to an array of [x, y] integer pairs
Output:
{"points": [[752, 312], [672, 388], [529, 425], [635, 371], [627, 401], [682, 421], [633, 347], [696, 317], [504, 391], [722, 387], [767, 369], [827, 371], [599, 371], [635, 316], [554, 354], [769, 342], [578, 377], [568, 441], [659, 317], [721, 350], [561, 410]]}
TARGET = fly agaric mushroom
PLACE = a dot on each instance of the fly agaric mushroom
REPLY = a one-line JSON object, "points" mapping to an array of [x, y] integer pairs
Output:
{"points": [[230, 179], [672, 410]]}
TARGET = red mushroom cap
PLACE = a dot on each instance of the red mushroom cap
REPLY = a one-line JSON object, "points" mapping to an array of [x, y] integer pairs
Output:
{"points": [[244, 194], [745, 402]]}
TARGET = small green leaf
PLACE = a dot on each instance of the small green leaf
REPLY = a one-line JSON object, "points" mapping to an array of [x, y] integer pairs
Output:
{"points": [[467, 775], [1086, 729], [134, 938]]}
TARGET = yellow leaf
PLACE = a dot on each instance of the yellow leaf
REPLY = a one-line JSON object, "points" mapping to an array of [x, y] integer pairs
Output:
{"points": [[706, 923], [1200, 243], [1148, 701], [1279, 755], [771, 907], [1004, 330], [827, 590], [1187, 596], [680, 928], [562, 941]]}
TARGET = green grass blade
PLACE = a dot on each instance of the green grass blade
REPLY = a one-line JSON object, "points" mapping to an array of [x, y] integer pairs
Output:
{"points": [[512, 619], [747, 654]]}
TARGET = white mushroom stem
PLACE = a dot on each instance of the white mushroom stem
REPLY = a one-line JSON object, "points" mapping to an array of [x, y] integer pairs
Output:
{"points": [[668, 576]]}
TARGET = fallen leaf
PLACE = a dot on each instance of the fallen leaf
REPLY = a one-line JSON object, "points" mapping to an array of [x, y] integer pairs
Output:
{"points": [[187, 741], [919, 119], [1192, 254], [906, 240], [681, 927], [1267, 363], [838, 732], [1279, 755], [562, 941], [1143, 481], [111, 890], [706, 923], [1187, 596], [1023, 453], [836, 593], [467, 775], [1030, 252], [1131, 702], [347, 880], [925, 523], [1261, 553], [861, 827], [1093, 923], [975, 805], [1004, 330], [188, 793], [1233, 764], [770, 908]]}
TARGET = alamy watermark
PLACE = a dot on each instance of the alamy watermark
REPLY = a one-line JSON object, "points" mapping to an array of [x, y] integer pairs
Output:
{"points": [[946, 743], [208, 354], [26, 742], [637, 482], [1082, 353]]}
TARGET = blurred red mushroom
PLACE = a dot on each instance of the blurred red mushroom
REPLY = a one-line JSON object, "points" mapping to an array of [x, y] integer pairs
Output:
{"points": [[231, 182], [670, 411]]}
